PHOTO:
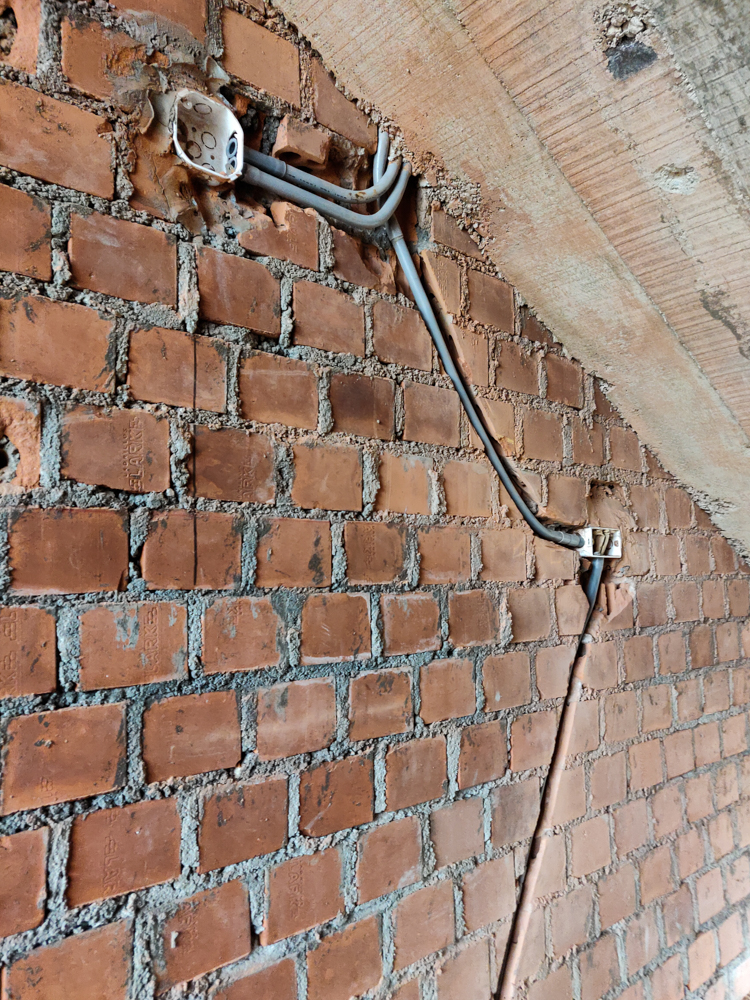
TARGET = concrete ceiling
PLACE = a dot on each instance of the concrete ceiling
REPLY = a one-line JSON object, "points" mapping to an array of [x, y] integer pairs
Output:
{"points": [[614, 181]]}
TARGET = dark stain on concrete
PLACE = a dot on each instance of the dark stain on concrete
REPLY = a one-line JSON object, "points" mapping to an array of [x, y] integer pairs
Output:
{"points": [[629, 58]]}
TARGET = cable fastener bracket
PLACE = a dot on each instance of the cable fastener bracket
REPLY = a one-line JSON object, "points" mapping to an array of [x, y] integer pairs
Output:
{"points": [[605, 543]]}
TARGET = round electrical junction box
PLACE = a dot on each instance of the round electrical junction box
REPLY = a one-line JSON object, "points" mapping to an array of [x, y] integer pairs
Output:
{"points": [[207, 136]]}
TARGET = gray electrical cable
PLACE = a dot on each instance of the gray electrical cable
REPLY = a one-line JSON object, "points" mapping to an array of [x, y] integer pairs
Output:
{"points": [[566, 538], [283, 171], [290, 192]]}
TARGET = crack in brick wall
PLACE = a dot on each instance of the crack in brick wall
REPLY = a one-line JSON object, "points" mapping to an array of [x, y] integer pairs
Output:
{"points": [[281, 667]]}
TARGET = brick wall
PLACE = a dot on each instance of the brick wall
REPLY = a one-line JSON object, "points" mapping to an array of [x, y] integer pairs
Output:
{"points": [[280, 669]]}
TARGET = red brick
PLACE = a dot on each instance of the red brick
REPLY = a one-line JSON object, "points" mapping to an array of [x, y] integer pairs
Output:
{"points": [[94, 59], [447, 231], [411, 623], [191, 734], [68, 754], [723, 555], [327, 477], [168, 366], [345, 963], [607, 778], [363, 405], [645, 764], [689, 700], [189, 13], [336, 796], [625, 450], [192, 550], [517, 370], [231, 464], [390, 857], [423, 923], [709, 893], [443, 278], [274, 389], [277, 982], [115, 851], [332, 109], [616, 896], [504, 555], [447, 690], [473, 618], [557, 985], [468, 489], [374, 552], [335, 627], [483, 755], [295, 718], [68, 551], [514, 811], [734, 735], [553, 669], [590, 846], [240, 634], [28, 664], [585, 734], [739, 598], [667, 980], [400, 336], [530, 614], [302, 893], [91, 965], [122, 449], [260, 57], [24, 44], [553, 562], [60, 131], [645, 504], [564, 381], [657, 708], [129, 644], [666, 549], [679, 509], [678, 915], [23, 876], [672, 658], [588, 443], [242, 821], [466, 974], [208, 930], [642, 941], [727, 642], [636, 555], [57, 342], [656, 874], [716, 691], [572, 919], [458, 831], [721, 835], [631, 826], [638, 654], [600, 669], [532, 738], [552, 875], [359, 263], [731, 943], [507, 681], [294, 552], [471, 348], [380, 704], [238, 291], [404, 484], [122, 258], [685, 600], [701, 959], [20, 425], [666, 806], [431, 415], [444, 554], [542, 435], [489, 892], [491, 301], [738, 879], [652, 604], [415, 772], [571, 606], [713, 598], [600, 968], [328, 319], [726, 785], [27, 249], [698, 558], [678, 751]]}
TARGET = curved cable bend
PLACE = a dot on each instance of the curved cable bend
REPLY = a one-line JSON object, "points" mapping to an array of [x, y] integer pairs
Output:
{"points": [[566, 538], [282, 170], [291, 192]]}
